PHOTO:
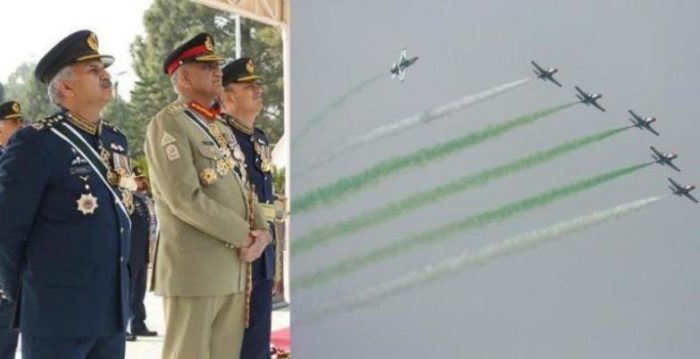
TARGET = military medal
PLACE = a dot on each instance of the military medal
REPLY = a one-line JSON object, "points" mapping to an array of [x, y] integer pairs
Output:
{"points": [[112, 177], [87, 203], [128, 182], [128, 200], [265, 158], [208, 176]]}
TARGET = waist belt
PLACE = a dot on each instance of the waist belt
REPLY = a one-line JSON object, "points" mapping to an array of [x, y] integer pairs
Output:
{"points": [[268, 211]]}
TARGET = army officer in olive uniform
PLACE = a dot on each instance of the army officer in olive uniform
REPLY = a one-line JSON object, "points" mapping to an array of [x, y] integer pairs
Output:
{"points": [[204, 211]]}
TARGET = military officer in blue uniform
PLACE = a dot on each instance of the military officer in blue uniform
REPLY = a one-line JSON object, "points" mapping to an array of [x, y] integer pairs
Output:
{"points": [[241, 103], [10, 122], [138, 260], [65, 197]]}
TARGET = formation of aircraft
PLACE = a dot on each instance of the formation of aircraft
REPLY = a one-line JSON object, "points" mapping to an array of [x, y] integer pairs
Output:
{"points": [[398, 69], [643, 123]]}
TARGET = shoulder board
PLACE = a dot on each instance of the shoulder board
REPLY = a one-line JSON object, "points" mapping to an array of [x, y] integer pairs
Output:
{"points": [[46, 123], [112, 128], [260, 135]]}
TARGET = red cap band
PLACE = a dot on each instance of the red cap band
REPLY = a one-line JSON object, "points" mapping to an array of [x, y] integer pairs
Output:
{"points": [[195, 51]]}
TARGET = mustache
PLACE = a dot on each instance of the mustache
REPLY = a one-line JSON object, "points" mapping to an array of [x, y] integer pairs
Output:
{"points": [[106, 84]]}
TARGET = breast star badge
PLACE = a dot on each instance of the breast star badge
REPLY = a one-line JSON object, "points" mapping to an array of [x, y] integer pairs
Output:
{"points": [[87, 203]]}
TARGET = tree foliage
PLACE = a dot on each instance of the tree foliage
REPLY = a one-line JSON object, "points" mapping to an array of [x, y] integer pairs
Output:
{"points": [[31, 94]]}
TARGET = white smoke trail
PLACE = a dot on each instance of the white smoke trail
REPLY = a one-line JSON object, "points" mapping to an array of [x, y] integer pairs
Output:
{"points": [[480, 257], [417, 119]]}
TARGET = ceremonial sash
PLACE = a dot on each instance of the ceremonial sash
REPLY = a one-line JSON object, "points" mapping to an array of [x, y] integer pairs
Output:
{"points": [[77, 141]]}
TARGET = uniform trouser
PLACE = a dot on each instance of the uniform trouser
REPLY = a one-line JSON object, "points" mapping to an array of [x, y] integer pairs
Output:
{"points": [[256, 339], [209, 327], [8, 338], [137, 293], [111, 347]]}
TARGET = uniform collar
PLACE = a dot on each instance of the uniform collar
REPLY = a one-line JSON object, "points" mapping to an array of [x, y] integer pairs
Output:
{"points": [[240, 126], [209, 114], [83, 124]]}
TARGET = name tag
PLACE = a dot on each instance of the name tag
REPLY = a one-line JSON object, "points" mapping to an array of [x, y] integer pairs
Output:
{"points": [[80, 170]]}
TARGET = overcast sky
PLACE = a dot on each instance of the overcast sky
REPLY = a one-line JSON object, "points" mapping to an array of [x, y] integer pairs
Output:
{"points": [[626, 289], [31, 28]]}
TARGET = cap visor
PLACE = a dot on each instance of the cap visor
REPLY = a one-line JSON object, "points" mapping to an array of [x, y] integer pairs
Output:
{"points": [[250, 78], [106, 60], [208, 58]]}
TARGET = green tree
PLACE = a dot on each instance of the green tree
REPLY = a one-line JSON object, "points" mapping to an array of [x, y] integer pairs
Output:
{"points": [[168, 23], [2, 93], [31, 94]]}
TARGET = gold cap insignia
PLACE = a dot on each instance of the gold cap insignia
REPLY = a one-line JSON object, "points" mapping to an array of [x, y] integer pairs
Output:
{"points": [[249, 66], [87, 203], [15, 107], [208, 44], [92, 41]]}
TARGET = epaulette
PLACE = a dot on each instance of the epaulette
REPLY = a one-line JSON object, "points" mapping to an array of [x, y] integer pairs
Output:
{"points": [[112, 128], [260, 134], [48, 122]]}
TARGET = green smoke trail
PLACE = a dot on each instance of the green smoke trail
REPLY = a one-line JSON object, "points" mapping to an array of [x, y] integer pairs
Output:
{"points": [[333, 192], [395, 209], [468, 223], [480, 257], [337, 103]]}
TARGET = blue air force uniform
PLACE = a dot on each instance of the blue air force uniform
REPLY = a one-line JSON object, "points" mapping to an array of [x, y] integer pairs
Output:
{"points": [[9, 111], [62, 259], [64, 246], [255, 150]]}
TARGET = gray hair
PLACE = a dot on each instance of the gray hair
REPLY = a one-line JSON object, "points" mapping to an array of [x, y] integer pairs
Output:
{"points": [[175, 79], [55, 95]]}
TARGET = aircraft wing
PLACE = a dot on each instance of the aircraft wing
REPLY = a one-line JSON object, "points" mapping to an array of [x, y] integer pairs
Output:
{"points": [[674, 183], [690, 196], [537, 66], [402, 75], [634, 115], [670, 164], [598, 106], [656, 151], [652, 130], [555, 81], [403, 56]]}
